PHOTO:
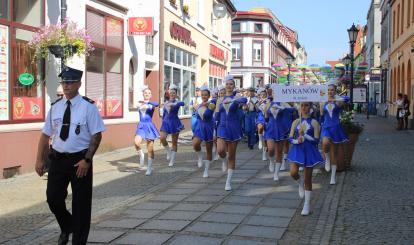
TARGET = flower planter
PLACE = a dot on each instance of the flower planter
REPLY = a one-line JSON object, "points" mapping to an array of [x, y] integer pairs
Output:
{"points": [[349, 149], [62, 51]]}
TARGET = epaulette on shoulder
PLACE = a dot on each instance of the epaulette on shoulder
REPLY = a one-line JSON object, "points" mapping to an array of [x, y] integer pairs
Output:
{"points": [[89, 100], [56, 101]]}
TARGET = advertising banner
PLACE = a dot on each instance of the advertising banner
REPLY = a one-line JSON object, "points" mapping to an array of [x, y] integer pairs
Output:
{"points": [[305, 93], [4, 73], [140, 26], [27, 108], [360, 95]]}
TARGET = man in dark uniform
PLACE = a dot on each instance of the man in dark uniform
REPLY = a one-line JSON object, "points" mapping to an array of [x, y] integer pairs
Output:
{"points": [[75, 126]]}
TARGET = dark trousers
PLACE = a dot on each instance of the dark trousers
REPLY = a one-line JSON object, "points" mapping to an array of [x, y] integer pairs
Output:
{"points": [[250, 128], [61, 173]]}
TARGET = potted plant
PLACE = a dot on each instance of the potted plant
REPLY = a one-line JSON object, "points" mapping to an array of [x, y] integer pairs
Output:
{"points": [[353, 129], [186, 9], [61, 40]]}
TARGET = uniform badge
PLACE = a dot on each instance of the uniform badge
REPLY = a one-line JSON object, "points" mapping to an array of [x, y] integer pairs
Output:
{"points": [[77, 130]]}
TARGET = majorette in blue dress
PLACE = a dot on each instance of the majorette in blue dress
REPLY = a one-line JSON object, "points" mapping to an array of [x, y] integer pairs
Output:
{"points": [[276, 127], [194, 101], [204, 129], [229, 126], [331, 124], [250, 120], [261, 107], [146, 128], [171, 124], [305, 154]]}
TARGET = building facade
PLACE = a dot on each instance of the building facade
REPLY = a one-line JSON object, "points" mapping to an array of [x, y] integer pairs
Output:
{"points": [[114, 73], [301, 55], [401, 53], [384, 58], [196, 47]]}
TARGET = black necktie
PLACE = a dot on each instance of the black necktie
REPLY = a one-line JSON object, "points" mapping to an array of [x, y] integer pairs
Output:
{"points": [[64, 131]]}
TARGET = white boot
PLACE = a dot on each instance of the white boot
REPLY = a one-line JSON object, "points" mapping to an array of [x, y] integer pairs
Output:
{"points": [[149, 167], [224, 164], [215, 154], [327, 162], [284, 163], [168, 150], [260, 141], [301, 189], [333, 175], [301, 169], [228, 181], [206, 166], [271, 165], [276, 174], [200, 159], [141, 158], [264, 154], [306, 205], [172, 159]]}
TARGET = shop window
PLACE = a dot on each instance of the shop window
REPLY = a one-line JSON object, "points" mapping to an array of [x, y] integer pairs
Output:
{"points": [[4, 9], [166, 53], [28, 12], [104, 67], [178, 53], [27, 98]]}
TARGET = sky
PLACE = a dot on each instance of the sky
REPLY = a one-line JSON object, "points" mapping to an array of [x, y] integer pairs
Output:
{"points": [[321, 24]]}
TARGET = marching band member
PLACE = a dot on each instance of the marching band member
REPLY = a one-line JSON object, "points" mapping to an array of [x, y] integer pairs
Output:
{"points": [[304, 137], [146, 129], [260, 124], [250, 118], [332, 132], [171, 124], [275, 134], [204, 130], [287, 119], [195, 101], [229, 130]]}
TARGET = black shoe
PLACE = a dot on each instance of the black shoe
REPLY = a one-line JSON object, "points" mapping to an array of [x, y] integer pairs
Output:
{"points": [[63, 238]]}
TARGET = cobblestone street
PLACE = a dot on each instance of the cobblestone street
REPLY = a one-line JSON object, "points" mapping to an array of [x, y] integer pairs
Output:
{"points": [[371, 203]]}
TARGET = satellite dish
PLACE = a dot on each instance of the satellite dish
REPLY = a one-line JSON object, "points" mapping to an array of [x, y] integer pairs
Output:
{"points": [[219, 10]]}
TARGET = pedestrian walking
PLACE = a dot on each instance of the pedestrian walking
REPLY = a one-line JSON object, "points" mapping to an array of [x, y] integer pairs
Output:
{"points": [[75, 125], [229, 130], [333, 135], [171, 124], [146, 130], [400, 112], [406, 109], [204, 130], [304, 137]]}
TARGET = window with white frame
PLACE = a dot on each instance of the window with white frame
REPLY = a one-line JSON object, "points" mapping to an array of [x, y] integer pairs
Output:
{"points": [[200, 11], [257, 51], [180, 70], [236, 50], [235, 27], [258, 27]]}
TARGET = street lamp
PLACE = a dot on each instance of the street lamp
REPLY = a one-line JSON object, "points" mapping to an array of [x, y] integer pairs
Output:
{"points": [[304, 78], [289, 61], [352, 33]]}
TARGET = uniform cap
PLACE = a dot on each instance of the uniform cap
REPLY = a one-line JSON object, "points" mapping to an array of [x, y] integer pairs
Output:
{"points": [[70, 74], [173, 86], [203, 88], [228, 77]]}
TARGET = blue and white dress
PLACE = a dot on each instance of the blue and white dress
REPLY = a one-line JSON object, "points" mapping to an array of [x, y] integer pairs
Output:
{"points": [[171, 124], [204, 129], [146, 128], [305, 154], [261, 107], [227, 117], [276, 128], [195, 100], [331, 124]]}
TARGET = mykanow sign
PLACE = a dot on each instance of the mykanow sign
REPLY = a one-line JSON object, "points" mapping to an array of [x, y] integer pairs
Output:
{"points": [[305, 93]]}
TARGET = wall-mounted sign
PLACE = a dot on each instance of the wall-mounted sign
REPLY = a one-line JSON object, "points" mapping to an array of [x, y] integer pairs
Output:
{"points": [[27, 108], [182, 34], [140, 26], [26, 79], [216, 52], [308, 93], [360, 95], [4, 73]]}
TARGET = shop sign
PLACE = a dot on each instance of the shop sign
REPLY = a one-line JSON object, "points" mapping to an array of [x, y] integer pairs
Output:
{"points": [[140, 26], [360, 95], [182, 34], [216, 52], [27, 108], [26, 79], [4, 73]]}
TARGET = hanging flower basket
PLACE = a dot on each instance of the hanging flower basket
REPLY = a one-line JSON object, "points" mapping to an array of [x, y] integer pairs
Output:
{"points": [[61, 40]]}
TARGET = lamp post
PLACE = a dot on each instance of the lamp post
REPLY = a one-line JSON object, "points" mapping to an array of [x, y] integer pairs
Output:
{"points": [[352, 33], [289, 62], [304, 78]]}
